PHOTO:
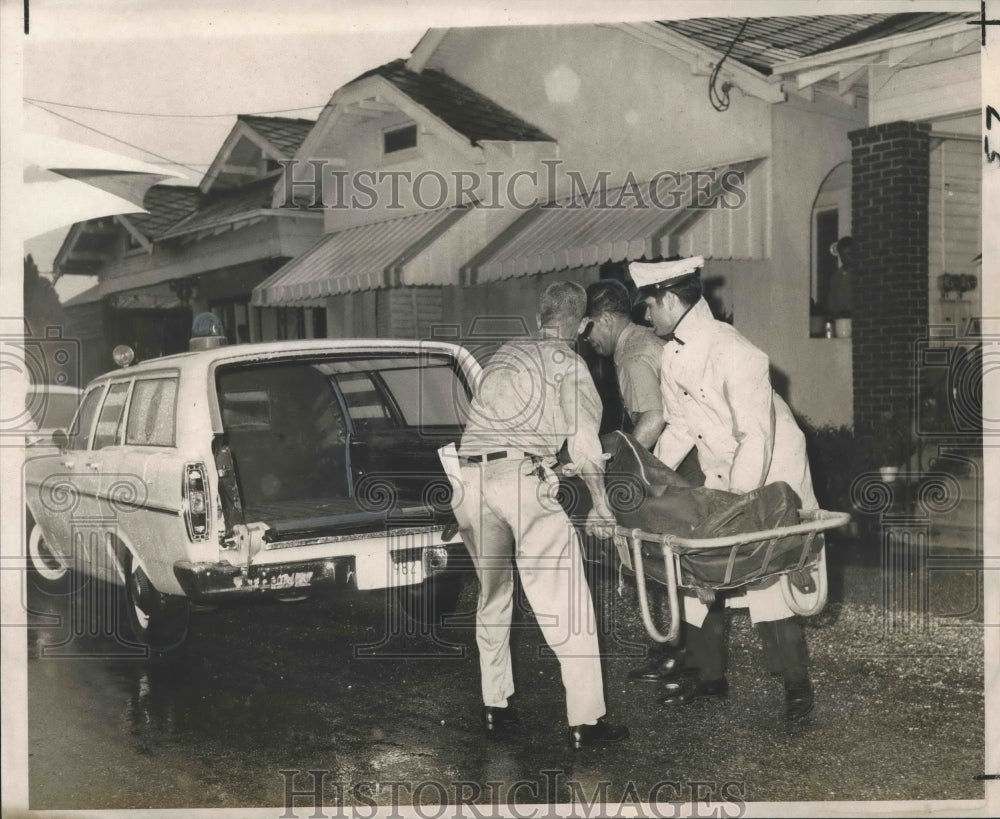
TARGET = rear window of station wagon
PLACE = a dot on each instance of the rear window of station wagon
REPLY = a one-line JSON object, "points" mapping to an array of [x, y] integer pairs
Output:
{"points": [[368, 393]]}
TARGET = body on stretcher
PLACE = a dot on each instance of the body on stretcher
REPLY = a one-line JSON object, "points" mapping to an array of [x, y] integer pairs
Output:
{"points": [[794, 556]]}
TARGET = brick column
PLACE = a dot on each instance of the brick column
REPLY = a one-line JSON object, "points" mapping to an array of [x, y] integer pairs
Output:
{"points": [[889, 199]]}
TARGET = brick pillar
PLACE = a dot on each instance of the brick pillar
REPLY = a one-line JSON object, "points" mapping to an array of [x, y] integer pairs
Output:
{"points": [[889, 199]]}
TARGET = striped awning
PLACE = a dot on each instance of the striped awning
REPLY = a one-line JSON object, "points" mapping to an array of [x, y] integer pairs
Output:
{"points": [[646, 220], [366, 257]]}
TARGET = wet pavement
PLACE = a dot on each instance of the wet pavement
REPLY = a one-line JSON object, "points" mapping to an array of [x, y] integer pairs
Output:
{"points": [[384, 712]]}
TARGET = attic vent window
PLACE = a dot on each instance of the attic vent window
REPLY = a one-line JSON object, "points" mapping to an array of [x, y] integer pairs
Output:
{"points": [[399, 139]]}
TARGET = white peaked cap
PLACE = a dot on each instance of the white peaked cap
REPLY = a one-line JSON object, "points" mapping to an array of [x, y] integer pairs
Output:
{"points": [[646, 274]]}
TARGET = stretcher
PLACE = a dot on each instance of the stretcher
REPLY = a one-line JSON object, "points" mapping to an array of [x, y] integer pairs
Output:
{"points": [[796, 551]]}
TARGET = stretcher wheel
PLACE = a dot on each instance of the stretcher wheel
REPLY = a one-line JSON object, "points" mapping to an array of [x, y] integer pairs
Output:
{"points": [[807, 603]]}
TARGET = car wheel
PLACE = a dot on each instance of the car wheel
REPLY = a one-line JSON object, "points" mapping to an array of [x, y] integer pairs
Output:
{"points": [[427, 603], [47, 569], [158, 620]]}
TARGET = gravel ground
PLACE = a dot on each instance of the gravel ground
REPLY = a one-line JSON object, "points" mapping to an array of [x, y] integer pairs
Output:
{"points": [[257, 690]]}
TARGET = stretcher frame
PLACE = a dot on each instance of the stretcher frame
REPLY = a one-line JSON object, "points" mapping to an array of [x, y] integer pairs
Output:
{"points": [[628, 543]]}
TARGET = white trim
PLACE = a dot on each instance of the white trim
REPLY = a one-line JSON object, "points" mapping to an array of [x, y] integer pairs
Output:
{"points": [[863, 50], [424, 50], [240, 131], [382, 90], [135, 234], [219, 225], [702, 59]]}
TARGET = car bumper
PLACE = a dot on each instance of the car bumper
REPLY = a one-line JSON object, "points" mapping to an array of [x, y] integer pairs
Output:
{"points": [[209, 581], [206, 582]]}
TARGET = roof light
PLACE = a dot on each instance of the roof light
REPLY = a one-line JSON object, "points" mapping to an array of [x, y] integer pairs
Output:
{"points": [[123, 355]]}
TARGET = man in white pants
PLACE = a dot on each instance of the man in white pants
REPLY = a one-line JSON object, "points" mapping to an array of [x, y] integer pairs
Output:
{"points": [[717, 396], [534, 395]]}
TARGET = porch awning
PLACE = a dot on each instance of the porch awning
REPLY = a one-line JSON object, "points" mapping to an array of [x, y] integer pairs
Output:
{"points": [[643, 220], [366, 257]]}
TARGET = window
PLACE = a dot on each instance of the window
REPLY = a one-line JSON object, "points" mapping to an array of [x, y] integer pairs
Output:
{"points": [[399, 139], [110, 420], [364, 403], [234, 313], [84, 421], [830, 220], [151, 418], [430, 396]]}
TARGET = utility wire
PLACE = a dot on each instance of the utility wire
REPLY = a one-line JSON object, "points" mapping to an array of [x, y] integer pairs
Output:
{"points": [[720, 101], [35, 101], [110, 136]]}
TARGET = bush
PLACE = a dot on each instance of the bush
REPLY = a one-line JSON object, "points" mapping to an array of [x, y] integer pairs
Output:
{"points": [[834, 460]]}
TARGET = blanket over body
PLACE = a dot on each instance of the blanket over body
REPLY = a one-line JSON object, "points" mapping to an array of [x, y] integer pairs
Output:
{"points": [[646, 494]]}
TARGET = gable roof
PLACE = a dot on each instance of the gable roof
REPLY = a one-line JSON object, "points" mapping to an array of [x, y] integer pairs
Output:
{"points": [[167, 205], [223, 206], [252, 139], [468, 112], [767, 41], [283, 133]]}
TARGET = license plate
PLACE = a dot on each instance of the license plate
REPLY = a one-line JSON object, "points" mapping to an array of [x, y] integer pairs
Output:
{"points": [[402, 567]]}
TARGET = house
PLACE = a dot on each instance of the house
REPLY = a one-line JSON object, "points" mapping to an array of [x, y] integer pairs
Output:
{"points": [[471, 175], [195, 249], [441, 193]]}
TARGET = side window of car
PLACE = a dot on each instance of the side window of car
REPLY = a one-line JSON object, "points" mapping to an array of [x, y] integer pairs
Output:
{"points": [[427, 396], [80, 431], [364, 401], [152, 414], [110, 420]]}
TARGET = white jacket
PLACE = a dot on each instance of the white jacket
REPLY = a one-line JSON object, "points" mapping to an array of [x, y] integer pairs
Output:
{"points": [[717, 396]]}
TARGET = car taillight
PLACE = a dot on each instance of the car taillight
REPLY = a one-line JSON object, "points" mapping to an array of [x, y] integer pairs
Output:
{"points": [[194, 491]]}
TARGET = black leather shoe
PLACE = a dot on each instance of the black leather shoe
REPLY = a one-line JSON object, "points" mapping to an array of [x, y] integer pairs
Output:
{"points": [[496, 719], [603, 733], [681, 693], [660, 669], [798, 699]]}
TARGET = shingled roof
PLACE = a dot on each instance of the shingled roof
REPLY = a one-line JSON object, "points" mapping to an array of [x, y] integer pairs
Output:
{"points": [[767, 41], [219, 207], [284, 133], [167, 205], [467, 111]]}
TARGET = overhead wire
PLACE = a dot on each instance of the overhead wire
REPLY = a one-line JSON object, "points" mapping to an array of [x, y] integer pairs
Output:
{"points": [[35, 101], [720, 101], [114, 138]]}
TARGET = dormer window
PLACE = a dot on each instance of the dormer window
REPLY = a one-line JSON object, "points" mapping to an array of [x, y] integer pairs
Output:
{"points": [[399, 139]]}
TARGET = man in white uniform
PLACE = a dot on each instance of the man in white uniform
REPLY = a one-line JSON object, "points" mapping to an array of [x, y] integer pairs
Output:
{"points": [[534, 395], [717, 396]]}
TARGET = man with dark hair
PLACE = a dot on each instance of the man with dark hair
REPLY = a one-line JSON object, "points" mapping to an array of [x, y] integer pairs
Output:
{"points": [[636, 351], [534, 395], [717, 397]]}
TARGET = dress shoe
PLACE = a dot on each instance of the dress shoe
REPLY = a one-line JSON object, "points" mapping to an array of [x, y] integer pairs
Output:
{"points": [[660, 669], [602, 733], [681, 693], [798, 699], [496, 719]]}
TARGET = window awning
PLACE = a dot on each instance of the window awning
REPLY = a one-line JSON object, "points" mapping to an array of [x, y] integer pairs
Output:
{"points": [[651, 219], [366, 257]]}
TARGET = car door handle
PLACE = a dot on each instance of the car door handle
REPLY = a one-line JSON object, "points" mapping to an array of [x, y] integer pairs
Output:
{"points": [[68, 464], [95, 465]]}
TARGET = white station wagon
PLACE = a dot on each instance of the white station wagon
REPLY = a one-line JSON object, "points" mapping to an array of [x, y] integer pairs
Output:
{"points": [[251, 470]]}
